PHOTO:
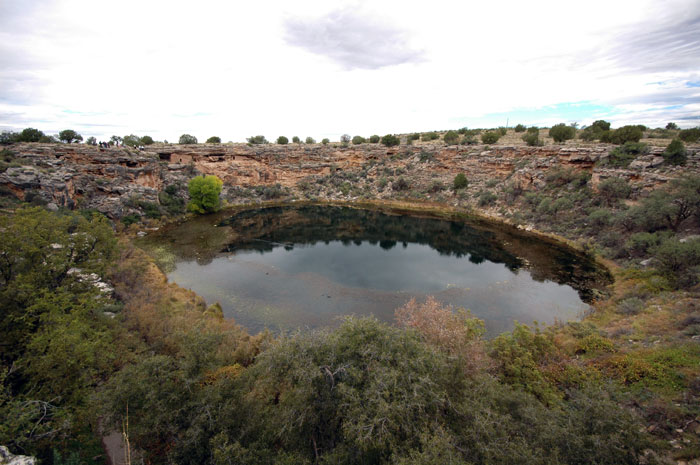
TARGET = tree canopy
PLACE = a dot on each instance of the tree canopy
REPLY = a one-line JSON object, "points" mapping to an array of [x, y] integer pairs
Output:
{"points": [[69, 135], [204, 194]]}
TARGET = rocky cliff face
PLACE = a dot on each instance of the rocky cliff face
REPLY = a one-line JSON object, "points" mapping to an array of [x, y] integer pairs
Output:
{"points": [[117, 181]]}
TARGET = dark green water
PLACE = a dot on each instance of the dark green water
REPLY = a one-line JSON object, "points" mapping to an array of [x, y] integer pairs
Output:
{"points": [[306, 266]]}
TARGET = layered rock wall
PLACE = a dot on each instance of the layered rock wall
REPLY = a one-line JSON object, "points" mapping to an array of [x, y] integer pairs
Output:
{"points": [[109, 179]]}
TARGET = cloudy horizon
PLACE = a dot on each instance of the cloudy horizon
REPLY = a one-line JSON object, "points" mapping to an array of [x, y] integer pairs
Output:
{"points": [[321, 69]]}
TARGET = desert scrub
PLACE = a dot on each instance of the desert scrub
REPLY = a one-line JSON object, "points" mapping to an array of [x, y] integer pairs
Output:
{"points": [[665, 370]]}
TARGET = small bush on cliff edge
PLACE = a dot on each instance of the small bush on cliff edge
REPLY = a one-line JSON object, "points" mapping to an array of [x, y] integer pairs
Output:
{"points": [[204, 194], [186, 139]]}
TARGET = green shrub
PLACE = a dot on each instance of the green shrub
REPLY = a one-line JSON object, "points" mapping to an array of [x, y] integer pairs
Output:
{"points": [[310, 140], [519, 128], [282, 140], [621, 157], [599, 219], [170, 201], [374, 139], [400, 184], [357, 140], [271, 192], [296, 140], [672, 126], [675, 153], [623, 135], [214, 140], [435, 187], [426, 156], [187, 139], [532, 139], [520, 354], [429, 136], [451, 137], [689, 135], [128, 220], [595, 131], [680, 261], [325, 141], [639, 244], [502, 131], [91, 141], [30, 135], [630, 306], [148, 140], [204, 194], [345, 139], [486, 198], [414, 136], [460, 182], [490, 137], [561, 132], [612, 190], [256, 140], [131, 140], [390, 140]]}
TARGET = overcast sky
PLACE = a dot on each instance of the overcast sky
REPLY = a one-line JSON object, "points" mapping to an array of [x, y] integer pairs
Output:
{"points": [[322, 68]]}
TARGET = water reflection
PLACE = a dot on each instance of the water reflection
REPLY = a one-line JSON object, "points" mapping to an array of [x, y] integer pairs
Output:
{"points": [[286, 267]]}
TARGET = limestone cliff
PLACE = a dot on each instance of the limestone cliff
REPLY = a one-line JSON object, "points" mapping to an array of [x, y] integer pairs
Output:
{"points": [[115, 180]]}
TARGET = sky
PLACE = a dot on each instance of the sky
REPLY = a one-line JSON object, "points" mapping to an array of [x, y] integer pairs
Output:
{"points": [[323, 68]]}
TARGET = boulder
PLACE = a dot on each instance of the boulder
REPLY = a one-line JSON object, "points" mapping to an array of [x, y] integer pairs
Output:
{"points": [[7, 458]]}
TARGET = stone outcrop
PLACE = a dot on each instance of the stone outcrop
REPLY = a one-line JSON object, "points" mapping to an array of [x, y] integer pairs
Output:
{"points": [[7, 458], [115, 180]]}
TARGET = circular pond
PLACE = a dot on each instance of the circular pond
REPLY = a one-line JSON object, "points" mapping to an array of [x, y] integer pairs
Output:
{"points": [[305, 266]]}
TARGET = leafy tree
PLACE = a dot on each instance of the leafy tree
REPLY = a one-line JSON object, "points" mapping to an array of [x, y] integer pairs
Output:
{"points": [[132, 140], [255, 140], [325, 141], [91, 141], [374, 139], [310, 140], [390, 140], [675, 153], [282, 140], [460, 182], [69, 135], [214, 140], [490, 137], [451, 137], [345, 139], [147, 140], [204, 194], [561, 132], [358, 140], [672, 126], [30, 135], [519, 128], [186, 139], [115, 140], [296, 140]]}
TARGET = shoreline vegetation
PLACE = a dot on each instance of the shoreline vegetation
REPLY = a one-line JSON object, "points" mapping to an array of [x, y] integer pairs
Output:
{"points": [[621, 386]]}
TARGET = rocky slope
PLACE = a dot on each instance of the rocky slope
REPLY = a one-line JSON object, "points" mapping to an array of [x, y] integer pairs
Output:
{"points": [[117, 181]]}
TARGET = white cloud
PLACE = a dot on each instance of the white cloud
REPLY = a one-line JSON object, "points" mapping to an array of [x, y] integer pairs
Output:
{"points": [[318, 68]]}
